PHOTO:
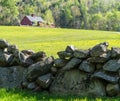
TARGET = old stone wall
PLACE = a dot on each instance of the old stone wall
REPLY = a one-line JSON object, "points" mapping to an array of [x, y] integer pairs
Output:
{"points": [[92, 72]]}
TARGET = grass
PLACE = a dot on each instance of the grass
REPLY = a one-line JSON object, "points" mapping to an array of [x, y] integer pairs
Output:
{"points": [[51, 41]]}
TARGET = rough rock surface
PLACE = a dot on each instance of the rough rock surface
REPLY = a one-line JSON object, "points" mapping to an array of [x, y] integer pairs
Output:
{"points": [[91, 72]]}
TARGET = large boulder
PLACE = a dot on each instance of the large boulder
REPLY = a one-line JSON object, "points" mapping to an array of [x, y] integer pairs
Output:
{"points": [[12, 77], [3, 44], [112, 66], [77, 83], [99, 49], [40, 68]]}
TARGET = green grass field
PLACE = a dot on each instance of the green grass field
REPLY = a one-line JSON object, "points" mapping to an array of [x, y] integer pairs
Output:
{"points": [[51, 41]]}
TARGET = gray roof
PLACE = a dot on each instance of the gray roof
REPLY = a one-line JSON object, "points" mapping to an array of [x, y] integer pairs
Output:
{"points": [[35, 19]]}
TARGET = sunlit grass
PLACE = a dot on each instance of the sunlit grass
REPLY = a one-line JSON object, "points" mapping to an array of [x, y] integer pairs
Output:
{"points": [[53, 40]]}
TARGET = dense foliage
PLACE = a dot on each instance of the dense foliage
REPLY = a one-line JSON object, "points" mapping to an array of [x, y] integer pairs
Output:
{"points": [[83, 14]]}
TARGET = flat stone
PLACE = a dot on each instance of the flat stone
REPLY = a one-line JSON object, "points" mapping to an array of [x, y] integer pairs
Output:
{"points": [[45, 80], [87, 67], [72, 64], [3, 44], [81, 54], [115, 52], [112, 66], [112, 89], [39, 69], [59, 63], [99, 49], [64, 55], [70, 49], [106, 77], [100, 59]]}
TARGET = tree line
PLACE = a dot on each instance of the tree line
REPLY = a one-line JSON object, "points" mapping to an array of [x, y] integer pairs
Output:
{"points": [[79, 14]]}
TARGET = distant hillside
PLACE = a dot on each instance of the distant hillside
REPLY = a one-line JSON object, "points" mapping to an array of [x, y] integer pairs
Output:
{"points": [[87, 14]]}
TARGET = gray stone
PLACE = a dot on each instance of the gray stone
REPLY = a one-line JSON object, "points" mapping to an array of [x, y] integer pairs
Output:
{"points": [[72, 64], [4, 59], [115, 52], [59, 63], [12, 49], [12, 77], [3, 44], [104, 76], [112, 66], [45, 80], [27, 52], [31, 86], [99, 66], [112, 89], [77, 83], [64, 55], [38, 56], [81, 54], [87, 67], [70, 49], [39, 69], [54, 70], [99, 49], [100, 59], [24, 84]]}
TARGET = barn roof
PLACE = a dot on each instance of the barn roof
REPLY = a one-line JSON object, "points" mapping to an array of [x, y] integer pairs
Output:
{"points": [[35, 19]]}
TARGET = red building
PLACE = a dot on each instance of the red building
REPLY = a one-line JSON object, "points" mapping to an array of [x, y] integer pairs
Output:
{"points": [[31, 20]]}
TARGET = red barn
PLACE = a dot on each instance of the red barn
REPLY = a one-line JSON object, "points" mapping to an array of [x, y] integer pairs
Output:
{"points": [[31, 20]]}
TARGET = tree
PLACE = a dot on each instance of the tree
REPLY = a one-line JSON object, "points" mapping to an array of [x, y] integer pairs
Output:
{"points": [[9, 12]]}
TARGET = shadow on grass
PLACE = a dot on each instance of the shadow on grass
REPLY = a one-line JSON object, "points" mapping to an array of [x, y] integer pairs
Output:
{"points": [[44, 96]]}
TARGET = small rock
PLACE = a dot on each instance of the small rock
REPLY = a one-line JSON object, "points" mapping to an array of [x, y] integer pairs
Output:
{"points": [[4, 59], [99, 66], [44, 81], [72, 64], [87, 67], [12, 49], [54, 70], [115, 52], [81, 54], [31, 86], [99, 49], [100, 59], [70, 49], [105, 76], [64, 55], [24, 84], [112, 89], [28, 52], [59, 63], [3, 44], [38, 56], [112, 66]]}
